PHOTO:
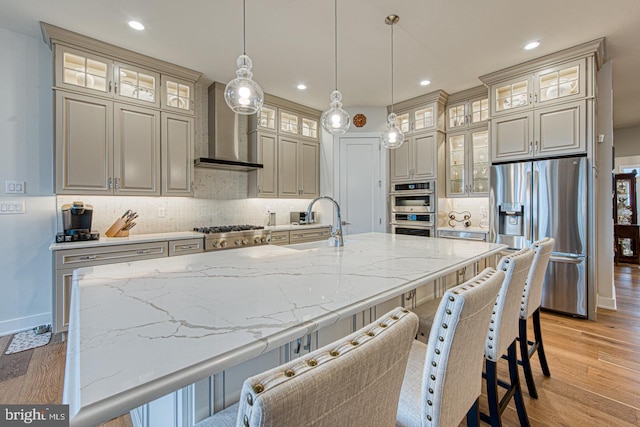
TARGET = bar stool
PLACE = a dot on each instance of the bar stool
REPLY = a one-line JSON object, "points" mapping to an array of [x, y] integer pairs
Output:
{"points": [[530, 307], [443, 380], [501, 338], [354, 381]]}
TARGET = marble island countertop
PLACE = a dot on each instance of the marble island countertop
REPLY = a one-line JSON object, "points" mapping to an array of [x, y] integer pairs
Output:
{"points": [[141, 330]]}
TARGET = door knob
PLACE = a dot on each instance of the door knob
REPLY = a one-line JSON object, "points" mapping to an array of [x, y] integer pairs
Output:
{"points": [[345, 223]]}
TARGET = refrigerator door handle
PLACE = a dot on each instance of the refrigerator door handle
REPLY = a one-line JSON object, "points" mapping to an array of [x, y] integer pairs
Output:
{"points": [[536, 202], [527, 226], [566, 259]]}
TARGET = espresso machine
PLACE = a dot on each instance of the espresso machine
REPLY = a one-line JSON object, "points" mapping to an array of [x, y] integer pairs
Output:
{"points": [[76, 222]]}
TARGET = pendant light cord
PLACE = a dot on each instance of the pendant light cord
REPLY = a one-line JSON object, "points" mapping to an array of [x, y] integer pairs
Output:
{"points": [[244, 31], [392, 68], [335, 38]]}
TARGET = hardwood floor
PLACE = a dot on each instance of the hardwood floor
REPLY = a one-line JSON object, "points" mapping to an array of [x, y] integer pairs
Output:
{"points": [[595, 368]]}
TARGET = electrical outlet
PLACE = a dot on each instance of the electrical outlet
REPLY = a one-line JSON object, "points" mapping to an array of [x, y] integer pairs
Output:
{"points": [[162, 211], [12, 208], [14, 187]]}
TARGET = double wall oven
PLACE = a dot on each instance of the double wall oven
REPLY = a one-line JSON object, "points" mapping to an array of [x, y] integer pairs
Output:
{"points": [[413, 208]]}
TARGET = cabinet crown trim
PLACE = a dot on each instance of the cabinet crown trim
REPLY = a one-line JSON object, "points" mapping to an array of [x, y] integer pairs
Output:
{"points": [[276, 101], [56, 35], [463, 95], [594, 48], [438, 96]]}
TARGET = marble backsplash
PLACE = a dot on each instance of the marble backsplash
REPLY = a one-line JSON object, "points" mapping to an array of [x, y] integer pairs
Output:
{"points": [[478, 207]]}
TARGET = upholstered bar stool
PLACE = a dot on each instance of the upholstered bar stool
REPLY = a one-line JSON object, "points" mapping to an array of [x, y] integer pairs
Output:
{"points": [[501, 338], [443, 379], [530, 308], [353, 381]]}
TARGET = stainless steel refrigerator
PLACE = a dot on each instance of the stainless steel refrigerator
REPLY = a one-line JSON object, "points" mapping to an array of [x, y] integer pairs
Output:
{"points": [[546, 198]]}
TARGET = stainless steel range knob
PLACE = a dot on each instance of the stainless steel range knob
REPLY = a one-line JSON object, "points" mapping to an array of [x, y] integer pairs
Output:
{"points": [[245, 241], [223, 243], [215, 244], [256, 240], [237, 242], [263, 239]]}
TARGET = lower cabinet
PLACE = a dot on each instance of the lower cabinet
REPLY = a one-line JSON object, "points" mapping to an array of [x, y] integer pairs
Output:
{"points": [[303, 235]]}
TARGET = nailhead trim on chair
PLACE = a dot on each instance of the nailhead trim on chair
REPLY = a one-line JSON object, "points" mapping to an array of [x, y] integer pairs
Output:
{"points": [[341, 348], [442, 343]]}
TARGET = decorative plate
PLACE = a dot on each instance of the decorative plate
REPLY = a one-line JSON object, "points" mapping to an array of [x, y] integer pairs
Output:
{"points": [[359, 120]]}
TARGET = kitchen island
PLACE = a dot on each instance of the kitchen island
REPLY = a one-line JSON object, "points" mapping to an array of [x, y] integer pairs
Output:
{"points": [[141, 330]]}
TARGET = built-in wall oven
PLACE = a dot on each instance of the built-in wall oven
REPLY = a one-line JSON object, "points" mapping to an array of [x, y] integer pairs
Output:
{"points": [[413, 208]]}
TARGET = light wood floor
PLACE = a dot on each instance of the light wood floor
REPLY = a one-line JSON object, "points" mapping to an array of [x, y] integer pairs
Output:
{"points": [[595, 368]]}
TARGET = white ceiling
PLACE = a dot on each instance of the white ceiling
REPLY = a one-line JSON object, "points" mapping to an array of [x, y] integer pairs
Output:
{"points": [[450, 42]]}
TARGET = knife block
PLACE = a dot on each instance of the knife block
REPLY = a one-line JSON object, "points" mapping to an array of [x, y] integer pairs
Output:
{"points": [[116, 229]]}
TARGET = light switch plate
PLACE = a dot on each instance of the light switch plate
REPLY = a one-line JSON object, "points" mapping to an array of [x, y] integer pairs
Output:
{"points": [[12, 208], [14, 187]]}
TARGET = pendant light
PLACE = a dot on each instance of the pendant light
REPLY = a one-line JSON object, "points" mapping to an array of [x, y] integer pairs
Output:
{"points": [[392, 137], [243, 95], [335, 120]]}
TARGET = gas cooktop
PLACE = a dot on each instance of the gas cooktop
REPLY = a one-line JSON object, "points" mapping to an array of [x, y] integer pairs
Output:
{"points": [[227, 228]]}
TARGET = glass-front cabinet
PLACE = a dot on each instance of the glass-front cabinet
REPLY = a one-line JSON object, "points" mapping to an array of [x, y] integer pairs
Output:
{"points": [[137, 85], [552, 85], [177, 95], [417, 120], [82, 71], [467, 109], [468, 163], [625, 212], [298, 124], [267, 118]]}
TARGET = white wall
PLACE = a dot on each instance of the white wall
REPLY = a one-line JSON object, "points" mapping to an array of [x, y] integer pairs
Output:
{"points": [[26, 142]]}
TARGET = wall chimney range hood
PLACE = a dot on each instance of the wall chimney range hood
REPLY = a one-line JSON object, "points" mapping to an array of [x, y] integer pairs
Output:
{"points": [[228, 138]]}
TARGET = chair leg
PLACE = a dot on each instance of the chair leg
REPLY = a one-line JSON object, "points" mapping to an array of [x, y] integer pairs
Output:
{"points": [[473, 415], [537, 331], [492, 394], [515, 383], [526, 362]]}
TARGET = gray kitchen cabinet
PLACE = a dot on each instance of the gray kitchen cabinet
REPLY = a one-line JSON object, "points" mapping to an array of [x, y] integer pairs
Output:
{"points": [[84, 144], [422, 120], [279, 237], [177, 95], [467, 109], [298, 168], [186, 246], [136, 85], [309, 235], [416, 158], [544, 132], [544, 107], [177, 147], [299, 124], [136, 150], [81, 71], [467, 163], [264, 182], [67, 260]]}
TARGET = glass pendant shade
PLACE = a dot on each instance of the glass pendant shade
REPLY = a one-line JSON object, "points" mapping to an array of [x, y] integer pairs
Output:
{"points": [[335, 120], [243, 95], [392, 137]]}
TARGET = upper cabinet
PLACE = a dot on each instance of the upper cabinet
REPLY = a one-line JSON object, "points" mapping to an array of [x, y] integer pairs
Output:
{"points": [[544, 107], [123, 120], [467, 171], [422, 120], [466, 109], [285, 138]]}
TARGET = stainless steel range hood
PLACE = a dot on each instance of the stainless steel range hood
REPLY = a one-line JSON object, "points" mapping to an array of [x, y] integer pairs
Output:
{"points": [[228, 138]]}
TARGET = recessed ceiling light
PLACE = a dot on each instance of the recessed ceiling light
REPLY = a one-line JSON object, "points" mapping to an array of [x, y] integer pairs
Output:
{"points": [[531, 45], [425, 83], [136, 25], [302, 86]]}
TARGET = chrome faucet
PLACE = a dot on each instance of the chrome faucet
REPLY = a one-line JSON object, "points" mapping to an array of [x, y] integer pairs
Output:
{"points": [[338, 233]]}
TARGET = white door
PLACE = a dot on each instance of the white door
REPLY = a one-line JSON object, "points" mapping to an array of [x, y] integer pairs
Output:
{"points": [[361, 185]]}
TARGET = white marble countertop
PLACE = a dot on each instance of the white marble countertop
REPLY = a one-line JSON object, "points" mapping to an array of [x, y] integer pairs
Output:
{"points": [[139, 331], [135, 238]]}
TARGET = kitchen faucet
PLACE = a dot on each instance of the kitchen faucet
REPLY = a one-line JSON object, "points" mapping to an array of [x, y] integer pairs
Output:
{"points": [[338, 233]]}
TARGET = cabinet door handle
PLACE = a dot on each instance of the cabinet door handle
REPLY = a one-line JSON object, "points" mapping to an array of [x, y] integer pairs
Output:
{"points": [[115, 87], [308, 346], [259, 189], [117, 183], [535, 97], [143, 251], [88, 257], [530, 99], [186, 247], [110, 183], [110, 85], [530, 146], [536, 147]]}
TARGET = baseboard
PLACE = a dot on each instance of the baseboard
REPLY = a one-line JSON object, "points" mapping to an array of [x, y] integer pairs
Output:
{"points": [[607, 303], [12, 326]]}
